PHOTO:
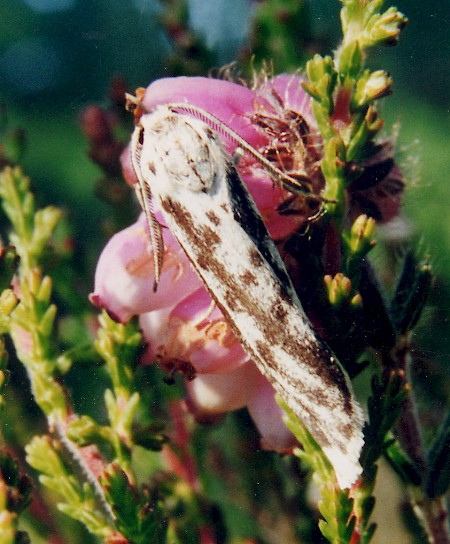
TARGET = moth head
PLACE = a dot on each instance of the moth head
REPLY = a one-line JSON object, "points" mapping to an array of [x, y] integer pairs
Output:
{"points": [[134, 105], [176, 148]]}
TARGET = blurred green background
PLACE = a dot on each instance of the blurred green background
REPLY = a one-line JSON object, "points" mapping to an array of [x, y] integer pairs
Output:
{"points": [[57, 56]]}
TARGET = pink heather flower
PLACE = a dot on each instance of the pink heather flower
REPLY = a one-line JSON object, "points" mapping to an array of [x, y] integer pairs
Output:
{"points": [[268, 416], [194, 331], [255, 115], [230, 103], [184, 330], [125, 273], [211, 395]]}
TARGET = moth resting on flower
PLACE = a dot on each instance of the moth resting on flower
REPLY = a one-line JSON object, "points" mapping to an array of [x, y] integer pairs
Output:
{"points": [[184, 171]]}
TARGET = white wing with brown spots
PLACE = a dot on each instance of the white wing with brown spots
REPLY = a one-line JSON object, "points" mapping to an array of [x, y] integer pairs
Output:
{"points": [[181, 163]]}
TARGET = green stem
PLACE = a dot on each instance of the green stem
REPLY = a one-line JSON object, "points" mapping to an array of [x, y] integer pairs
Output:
{"points": [[431, 512]]}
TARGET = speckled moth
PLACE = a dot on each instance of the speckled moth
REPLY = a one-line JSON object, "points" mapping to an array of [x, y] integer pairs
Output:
{"points": [[182, 166]]}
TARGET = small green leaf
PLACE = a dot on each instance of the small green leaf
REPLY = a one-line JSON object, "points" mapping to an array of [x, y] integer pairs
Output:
{"points": [[118, 344], [369, 127], [411, 293], [137, 517], [127, 414], [84, 431], [399, 461], [350, 61]]}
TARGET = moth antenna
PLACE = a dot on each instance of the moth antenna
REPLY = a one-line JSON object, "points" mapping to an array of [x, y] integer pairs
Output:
{"points": [[145, 199], [216, 124]]}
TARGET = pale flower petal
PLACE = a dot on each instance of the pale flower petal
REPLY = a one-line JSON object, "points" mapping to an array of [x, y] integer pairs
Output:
{"points": [[268, 416], [229, 102], [193, 335], [213, 394], [154, 326], [125, 274], [127, 167]]}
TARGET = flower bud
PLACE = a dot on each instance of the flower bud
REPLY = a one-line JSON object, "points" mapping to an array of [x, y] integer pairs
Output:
{"points": [[360, 241], [8, 301], [384, 28], [338, 289], [371, 86]]}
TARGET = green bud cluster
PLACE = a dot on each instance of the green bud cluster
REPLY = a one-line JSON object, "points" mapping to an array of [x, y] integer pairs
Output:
{"points": [[32, 327], [356, 244], [345, 92], [340, 292], [364, 21], [32, 228]]}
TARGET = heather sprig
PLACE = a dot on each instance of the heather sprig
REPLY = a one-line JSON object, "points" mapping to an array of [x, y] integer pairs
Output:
{"points": [[79, 500], [346, 513], [32, 228], [119, 346], [344, 93], [384, 407], [30, 318]]}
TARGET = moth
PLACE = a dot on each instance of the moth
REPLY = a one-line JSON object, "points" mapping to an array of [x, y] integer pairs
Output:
{"points": [[182, 166]]}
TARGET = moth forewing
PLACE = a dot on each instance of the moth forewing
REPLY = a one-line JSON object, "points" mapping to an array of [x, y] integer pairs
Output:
{"points": [[208, 209]]}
